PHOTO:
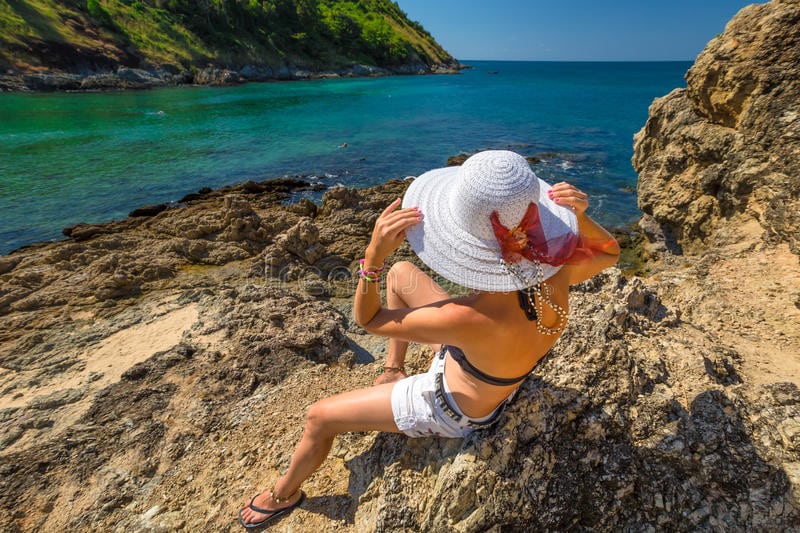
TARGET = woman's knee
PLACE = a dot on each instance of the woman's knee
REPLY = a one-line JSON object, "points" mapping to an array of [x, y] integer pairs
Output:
{"points": [[318, 418], [403, 277], [402, 269]]}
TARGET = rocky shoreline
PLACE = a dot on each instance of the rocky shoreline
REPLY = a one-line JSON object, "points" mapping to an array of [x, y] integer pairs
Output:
{"points": [[137, 78], [155, 371]]}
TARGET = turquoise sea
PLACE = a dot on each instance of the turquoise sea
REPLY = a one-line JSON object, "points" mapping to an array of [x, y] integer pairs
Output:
{"points": [[92, 157]]}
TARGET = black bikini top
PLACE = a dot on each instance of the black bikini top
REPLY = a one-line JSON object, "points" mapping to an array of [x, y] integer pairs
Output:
{"points": [[459, 357], [526, 304]]}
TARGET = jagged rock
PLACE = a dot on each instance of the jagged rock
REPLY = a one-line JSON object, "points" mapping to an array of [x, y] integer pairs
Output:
{"points": [[256, 73], [302, 240], [457, 160], [242, 223], [51, 82], [8, 262], [637, 419], [726, 148], [412, 68], [148, 210], [304, 208], [216, 76], [300, 73], [367, 70], [126, 78], [136, 76], [56, 399]]}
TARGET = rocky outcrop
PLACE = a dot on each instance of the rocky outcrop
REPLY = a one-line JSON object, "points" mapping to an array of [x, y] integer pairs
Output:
{"points": [[719, 183], [727, 148], [134, 78], [155, 372], [68, 45]]}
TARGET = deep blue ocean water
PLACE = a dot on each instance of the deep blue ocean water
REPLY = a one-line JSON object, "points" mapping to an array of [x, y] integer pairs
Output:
{"points": [[92, 157]]}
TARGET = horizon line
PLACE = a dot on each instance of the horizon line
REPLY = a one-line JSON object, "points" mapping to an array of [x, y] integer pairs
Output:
{"points": [[584, 60]]}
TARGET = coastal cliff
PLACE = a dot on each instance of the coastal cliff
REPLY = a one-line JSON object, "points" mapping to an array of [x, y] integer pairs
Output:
{"points": [[726, 149], [154, 371], [48, 45]]}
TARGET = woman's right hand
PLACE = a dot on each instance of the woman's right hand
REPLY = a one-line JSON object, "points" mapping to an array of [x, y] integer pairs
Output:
{"points": [[569, 196], [389, 232]]}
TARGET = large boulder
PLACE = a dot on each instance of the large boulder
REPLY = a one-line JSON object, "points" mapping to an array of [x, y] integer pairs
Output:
{"points": [[727, 148]]}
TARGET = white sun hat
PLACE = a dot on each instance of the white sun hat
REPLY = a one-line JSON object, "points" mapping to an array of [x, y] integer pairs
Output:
{"points": [[456, 237]]}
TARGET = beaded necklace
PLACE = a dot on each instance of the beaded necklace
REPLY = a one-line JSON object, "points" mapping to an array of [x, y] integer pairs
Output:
{"points": [[537, 295]]}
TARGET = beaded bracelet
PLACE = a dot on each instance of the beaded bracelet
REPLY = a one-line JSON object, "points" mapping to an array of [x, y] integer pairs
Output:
{"points": [[371, 276]]}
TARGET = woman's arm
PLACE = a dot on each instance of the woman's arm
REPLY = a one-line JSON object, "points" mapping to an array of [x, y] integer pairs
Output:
{"points": [[443, 321], [603, 246], [387, 236]]}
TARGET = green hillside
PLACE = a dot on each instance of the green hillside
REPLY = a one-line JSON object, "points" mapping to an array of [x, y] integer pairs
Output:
{"points": [[75, 35]]}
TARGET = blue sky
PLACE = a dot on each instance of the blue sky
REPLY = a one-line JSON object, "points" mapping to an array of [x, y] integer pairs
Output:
{"points": [[573, 30]]}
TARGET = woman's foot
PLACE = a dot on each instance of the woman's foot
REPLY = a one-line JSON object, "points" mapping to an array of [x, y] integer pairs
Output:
{"points": [[263, 508]]}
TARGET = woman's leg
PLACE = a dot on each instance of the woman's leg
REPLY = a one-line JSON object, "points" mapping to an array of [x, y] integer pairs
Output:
{"points": [[407, 286], [359, 410]]}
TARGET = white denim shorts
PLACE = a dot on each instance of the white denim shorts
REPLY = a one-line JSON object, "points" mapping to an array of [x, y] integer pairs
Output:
{"points": [[420, 410]]}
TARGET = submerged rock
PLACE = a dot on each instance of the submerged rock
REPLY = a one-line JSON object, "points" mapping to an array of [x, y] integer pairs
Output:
{"points": [[146, 211]]}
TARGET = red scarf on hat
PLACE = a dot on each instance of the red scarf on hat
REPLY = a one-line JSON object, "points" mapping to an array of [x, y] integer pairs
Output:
{"points": [[528, 240]]}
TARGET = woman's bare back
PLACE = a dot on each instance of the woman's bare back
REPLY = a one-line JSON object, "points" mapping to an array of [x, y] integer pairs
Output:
{"points": [[509, 346]]}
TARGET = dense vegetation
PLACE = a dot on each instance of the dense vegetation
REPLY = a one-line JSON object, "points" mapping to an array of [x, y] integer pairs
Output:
{"points": [[185, 33]]}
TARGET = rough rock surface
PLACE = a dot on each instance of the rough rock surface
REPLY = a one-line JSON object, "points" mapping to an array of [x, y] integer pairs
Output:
{"points": [[727, 148], [154, 372]]}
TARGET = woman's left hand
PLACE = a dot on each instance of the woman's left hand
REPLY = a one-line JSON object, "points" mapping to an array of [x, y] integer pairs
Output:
{"points": [[569, 196], [390, 230]]}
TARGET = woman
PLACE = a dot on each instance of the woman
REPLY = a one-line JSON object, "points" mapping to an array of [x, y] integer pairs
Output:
{"points": [[490, 225]]}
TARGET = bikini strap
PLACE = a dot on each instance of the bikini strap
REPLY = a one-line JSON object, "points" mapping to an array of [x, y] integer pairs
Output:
{"points": [[458, 356]]}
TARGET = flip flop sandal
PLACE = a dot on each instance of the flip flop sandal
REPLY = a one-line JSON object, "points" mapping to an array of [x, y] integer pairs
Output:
{"points": [[272, 514]]}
